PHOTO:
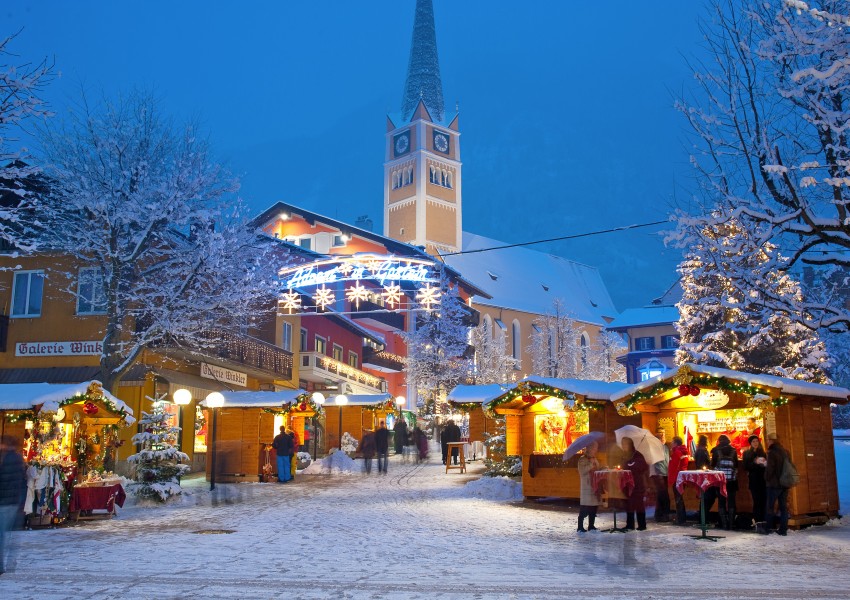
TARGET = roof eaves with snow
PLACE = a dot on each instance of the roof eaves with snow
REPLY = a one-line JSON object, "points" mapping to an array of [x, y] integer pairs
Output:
{"points": [[648, 316], [479, 394]]}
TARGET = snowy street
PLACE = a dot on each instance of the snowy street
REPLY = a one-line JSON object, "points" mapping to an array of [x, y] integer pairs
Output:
{"points": [[415, 533]]}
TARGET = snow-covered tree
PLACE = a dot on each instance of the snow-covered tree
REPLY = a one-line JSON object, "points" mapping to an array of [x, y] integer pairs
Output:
{"points": [[498, 462], [138, 201], [602, 362], [719, 326], [769, 126], [158, 462], [436, 351], [556, 344], [493, 364], [20, 85]]}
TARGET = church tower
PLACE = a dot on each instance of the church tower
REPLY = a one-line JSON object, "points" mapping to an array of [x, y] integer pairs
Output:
{"points": [[422, 168]]}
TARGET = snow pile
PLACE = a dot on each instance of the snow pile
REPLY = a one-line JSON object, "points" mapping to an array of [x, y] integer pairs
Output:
{"points": [[502, 489], [338, 463]]}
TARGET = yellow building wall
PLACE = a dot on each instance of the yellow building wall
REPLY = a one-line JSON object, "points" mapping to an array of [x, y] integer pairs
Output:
{"points": [[402, 217], [441, 223]]}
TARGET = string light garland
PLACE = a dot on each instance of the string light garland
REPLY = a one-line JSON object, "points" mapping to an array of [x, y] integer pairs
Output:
{"points": [[529, 392]]}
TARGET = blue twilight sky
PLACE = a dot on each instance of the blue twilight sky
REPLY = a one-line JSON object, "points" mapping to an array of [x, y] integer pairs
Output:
{"points": [[565, 108]]}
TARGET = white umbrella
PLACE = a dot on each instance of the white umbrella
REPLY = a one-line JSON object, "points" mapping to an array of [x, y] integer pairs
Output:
{"points": [[645, 443], [583, 442]]}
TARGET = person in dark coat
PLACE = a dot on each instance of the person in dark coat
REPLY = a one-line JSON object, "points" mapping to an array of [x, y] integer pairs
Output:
{"points": [[400, 430], [724, 458], [450, 434], [12, 493], [636, 502], [367, 449], [283, 447], [382, 446], [421, 442], [776, 457], [755, 461]]}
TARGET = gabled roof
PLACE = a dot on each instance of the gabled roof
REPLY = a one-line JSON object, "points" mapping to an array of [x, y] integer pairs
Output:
{"points": [[782, 384], [527, 280], [647, 316], [24, 396], [480, 394]]}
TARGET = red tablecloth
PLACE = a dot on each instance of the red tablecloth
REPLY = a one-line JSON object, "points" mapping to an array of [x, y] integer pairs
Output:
{"points": [[613, 479], [701, 479], [97, 498]]}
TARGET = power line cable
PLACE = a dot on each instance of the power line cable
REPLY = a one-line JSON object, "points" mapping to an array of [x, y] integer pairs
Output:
{"points": [[565, 237]]}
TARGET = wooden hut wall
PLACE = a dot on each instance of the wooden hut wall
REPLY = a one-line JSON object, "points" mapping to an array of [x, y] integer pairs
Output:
{"points": [[8, 429], [479, 423], [237, 445], [544, 475], [352, 422], [804, 427]]}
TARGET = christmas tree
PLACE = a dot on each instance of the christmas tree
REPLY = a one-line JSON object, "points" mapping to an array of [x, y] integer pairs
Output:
{"points": [[158, 467], [498, 462]]}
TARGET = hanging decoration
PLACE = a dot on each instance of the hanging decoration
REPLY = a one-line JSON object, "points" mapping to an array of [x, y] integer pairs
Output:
{"points": [[302, 403], [324, 297], [762, 402], [290, 301], [357, 293], [90, 408], [531, 393], [392, 294], [428, 296]]}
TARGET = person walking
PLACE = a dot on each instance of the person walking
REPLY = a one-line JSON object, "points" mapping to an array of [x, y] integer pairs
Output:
{"points": [[400, 439], [678, 462], [450, 434], [724, 458], [382, 446], [636, 502], [589, 499], [776, 494], [367, 449], [659, 481], [12, 493], [421, 441], [282, 445], [755, 461]]}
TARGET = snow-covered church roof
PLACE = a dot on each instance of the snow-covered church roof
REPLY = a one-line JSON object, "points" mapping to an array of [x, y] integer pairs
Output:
{"points": [[645, 317], [529, 281]]}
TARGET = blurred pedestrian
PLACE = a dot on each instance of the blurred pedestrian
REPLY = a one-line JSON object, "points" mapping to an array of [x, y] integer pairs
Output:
{"points": [[450, 434], [400, 438], [382, 446], [421, 440], [366, 449], [12, 493]]}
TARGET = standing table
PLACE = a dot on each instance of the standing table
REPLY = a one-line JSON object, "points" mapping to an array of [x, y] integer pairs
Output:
{"points": [[703, 479], [461, 458], [617, 484], [86, 498]]}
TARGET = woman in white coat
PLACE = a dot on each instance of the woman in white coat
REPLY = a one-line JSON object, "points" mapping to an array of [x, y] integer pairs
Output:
{"points": [[589, 501]]}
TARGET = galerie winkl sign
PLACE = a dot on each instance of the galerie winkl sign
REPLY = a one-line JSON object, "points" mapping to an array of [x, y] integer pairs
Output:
{"points": [[224, 375], [58, 348]]}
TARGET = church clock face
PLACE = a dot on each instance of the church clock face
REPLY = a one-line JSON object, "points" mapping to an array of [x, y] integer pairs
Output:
{"points": [[401, 143], [441, 142]]}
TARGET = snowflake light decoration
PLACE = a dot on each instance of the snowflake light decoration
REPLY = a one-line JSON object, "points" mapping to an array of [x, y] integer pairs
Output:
{"points": [[392, 294], [426, 296], [323, 297], [346, 268], [290, 301], [357, 293], [375, 265]]}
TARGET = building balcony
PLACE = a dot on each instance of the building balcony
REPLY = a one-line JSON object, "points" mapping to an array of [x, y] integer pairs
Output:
{"points": [[319, 368], [385, 362], [237, 349], [377, 316]]}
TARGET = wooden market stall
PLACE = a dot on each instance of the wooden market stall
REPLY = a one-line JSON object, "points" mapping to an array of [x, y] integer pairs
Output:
{"points": [[68, 435], [359, 413], [543, 416], [477, 423], [242, 430], [694, 399]]}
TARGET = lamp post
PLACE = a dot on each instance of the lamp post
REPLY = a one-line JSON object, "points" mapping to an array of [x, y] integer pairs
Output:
{"points": [[318, 399], [214, 400], [341, 400], [182, 397]]}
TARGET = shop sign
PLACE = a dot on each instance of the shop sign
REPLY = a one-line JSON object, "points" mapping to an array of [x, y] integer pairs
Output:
{"points": [[224, 375], [371, 267], [712, 399], [36, 349]]}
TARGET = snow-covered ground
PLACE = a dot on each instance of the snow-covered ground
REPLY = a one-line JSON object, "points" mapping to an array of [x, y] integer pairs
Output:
{"points": [[415, 533]]}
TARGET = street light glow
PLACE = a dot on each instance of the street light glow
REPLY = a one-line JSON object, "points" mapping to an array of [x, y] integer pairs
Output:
{"points": [[215, 400], [182, 396]]}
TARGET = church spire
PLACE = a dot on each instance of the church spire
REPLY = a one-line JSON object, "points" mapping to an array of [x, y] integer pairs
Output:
{"points": [[423, 70]]}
